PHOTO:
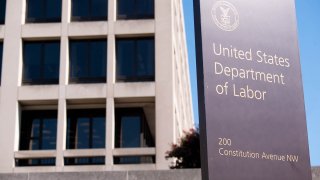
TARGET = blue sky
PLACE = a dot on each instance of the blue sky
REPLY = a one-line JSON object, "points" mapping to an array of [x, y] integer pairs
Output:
{"points": [[308, 15]]}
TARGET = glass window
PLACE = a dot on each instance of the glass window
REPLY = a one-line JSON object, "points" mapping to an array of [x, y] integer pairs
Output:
{"points": [[88, 61], [135, 9], [2, 11], [135, 59], [100, 160], [36, 162], [41, 62], [38, 130], [86, 129], [1, 56], [44, 10], [89, 10], [132, 131]]}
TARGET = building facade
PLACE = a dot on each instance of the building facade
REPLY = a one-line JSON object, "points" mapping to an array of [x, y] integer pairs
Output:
{"points": [[92, 85]]}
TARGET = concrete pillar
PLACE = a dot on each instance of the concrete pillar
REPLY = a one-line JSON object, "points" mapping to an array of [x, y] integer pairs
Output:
{"points": [[11, 75], [164, 81]]}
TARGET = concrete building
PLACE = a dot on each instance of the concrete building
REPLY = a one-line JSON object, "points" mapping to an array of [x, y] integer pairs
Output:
{"points": [[92, 85]]}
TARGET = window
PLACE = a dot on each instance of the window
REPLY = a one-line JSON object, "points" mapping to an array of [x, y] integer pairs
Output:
{"points": [[135, 9], [135, 59], [36, 162], [88, 61], [38, 130], [86, 129], [41, 62], [41, 11], [1, 54], [132, 131], [2, 11], [100, 160], [89, 10]]}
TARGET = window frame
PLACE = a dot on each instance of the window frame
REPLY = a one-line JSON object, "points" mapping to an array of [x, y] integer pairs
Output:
{"points": [[135, 111], [87, 80], [42, 19], [144, 136], [34, 162], [30, 115], [74, 115], [91, 160], [144, 78], [41, 80], [88, 18], [136, 16]]}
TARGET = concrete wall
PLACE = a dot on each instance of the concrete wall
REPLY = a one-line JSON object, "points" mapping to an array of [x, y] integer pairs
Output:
{"points": [[185, 174]]}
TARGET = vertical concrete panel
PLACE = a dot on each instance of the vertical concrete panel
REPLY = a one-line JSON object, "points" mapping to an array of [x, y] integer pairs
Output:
{"points": [[63, 81], [164, 81], [110, 133], [61, 133], [10, 75]]}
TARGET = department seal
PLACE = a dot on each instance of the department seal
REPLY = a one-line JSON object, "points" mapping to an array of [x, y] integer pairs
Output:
{"points": [[225, 15]]}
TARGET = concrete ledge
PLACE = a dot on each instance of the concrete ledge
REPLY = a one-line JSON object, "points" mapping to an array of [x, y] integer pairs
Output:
{"points": [[14, 177], [41, 30], [184, 174]]}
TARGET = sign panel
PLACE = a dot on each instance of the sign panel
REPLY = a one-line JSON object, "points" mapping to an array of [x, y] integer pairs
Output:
{"points": [[252, 117]]}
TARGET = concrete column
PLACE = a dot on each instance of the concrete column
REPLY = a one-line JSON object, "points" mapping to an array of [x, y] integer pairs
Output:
{"points": [[61, 133], [164, 81], [11, 71], [110, 84], [63, 81], [110, 133]]}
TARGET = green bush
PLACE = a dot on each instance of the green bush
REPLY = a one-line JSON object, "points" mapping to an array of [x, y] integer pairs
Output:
{"points": [[186, 154]]}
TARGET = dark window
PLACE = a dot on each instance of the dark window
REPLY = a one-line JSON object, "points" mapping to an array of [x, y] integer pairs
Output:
{"points": [[135, 59], [84, 161], [89, 10], [135, 9], [132, 131], [134, 160], [86, 129], [1, 54], [38, 130], [88, 61], [2, 11], [44, 11], [36, 162], [41, 62]]}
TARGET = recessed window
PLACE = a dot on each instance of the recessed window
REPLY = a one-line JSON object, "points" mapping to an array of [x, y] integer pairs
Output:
{"points": [[88, 61], [135, 59], [1, 56], [41, 11], [89, 10], [38, 130], [86, 128], [135, 9], [2, 11], [35, 162], [85, 161], [132, 131], [41, 62]]}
